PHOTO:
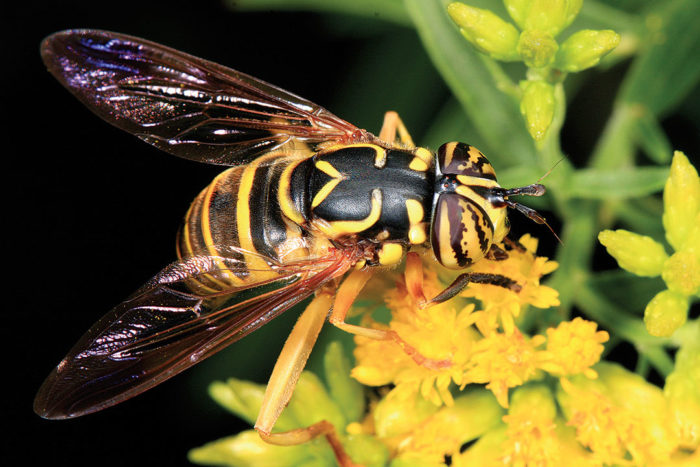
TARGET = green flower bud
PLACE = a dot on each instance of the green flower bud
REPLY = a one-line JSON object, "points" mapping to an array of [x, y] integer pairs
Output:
{"points": [[630, 390], [537, 105], [692, 243], [682, 273], [394, 416], [246, 448], [475, 411], [665, 313], [639, 254], [532, 395], [486, 31], [537, 48], [681, 200], [585, 48], [366, 450], [682, 390], [345, 391], [243, 398], [311, 403], [551, 16]]}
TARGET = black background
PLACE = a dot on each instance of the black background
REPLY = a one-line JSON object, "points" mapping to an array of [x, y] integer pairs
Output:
{"points": [[91, 212]]}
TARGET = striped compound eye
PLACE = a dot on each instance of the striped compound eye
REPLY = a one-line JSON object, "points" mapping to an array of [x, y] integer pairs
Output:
{"points": [[462, 232], [462, 159]]}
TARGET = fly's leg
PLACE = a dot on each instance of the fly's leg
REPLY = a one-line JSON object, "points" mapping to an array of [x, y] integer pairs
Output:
{"points": [[285, 375], [347, 292], [414, 282], [393, 130]]}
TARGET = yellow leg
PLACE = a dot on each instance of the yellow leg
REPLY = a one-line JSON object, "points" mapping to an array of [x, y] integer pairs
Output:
{"points": [[393, 130], [285, 375], [347, 292]]}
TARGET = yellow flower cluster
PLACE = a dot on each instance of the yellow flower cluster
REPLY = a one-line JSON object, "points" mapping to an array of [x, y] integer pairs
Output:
{"points": [[464, 385], [461, 353]]}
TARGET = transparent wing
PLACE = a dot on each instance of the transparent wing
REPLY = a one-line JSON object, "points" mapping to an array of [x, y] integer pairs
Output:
{"points": [[182, 104], [164, 328]]}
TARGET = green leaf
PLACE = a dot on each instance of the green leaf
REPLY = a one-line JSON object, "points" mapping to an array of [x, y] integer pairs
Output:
{"points": [[669, 68], [617, 184], [627, 291], [641, 215], [452, 124], [387, 10], [495, 115], [345, 391], [651, 138]]}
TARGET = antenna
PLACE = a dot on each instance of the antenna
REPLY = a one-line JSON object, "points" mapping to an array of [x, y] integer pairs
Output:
{"points": [[535, 189]]}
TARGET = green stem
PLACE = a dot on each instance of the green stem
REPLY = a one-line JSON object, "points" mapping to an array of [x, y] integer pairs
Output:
{"points": [[501, 78], [615, 148], [574, 256], [658, 358], [608, 16], [617, 320]]}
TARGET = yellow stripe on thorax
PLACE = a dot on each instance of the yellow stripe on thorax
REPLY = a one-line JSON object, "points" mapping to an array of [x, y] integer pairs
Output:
{"points": [[335, 229], [336, 177]]}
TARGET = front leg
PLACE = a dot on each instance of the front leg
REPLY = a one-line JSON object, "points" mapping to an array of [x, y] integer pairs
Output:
{"points": [[414, 282], [347, 292]]}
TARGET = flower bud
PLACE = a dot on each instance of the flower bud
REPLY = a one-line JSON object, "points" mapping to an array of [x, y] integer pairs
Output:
{"points": [[682, 392], [692, 243], [247, 448], [311, 403], [585, 48], [665, 313], [633, 392], [397, 415], [682, 273], [681, 200], [639, 254], [366, 450], [533, 397], [551, 16], [537, 106], [242, 398], [537, 48], [486, 31]]}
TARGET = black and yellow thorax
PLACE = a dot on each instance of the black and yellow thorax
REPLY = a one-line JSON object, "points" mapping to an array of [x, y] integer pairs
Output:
{"points": [[367, 191]]}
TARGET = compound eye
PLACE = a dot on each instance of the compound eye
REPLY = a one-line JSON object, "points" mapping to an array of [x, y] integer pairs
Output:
{"points": [[461, 233], [462, 159]]}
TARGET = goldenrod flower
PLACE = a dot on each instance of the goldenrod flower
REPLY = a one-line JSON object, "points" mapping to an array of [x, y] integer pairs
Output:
{"points": [[503, 362], [619, 417], [503, 305], [439, 333], [572, 348], [445, 336]]}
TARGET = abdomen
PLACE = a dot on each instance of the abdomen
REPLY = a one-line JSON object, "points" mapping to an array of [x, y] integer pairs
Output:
{"points": [[238, 216]]}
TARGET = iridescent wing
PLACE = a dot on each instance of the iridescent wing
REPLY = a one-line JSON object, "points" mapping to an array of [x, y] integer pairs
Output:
{"points": [[164, 328], [182, 104]]}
